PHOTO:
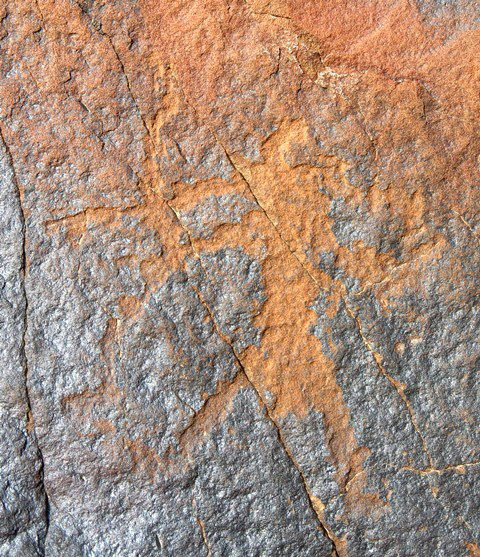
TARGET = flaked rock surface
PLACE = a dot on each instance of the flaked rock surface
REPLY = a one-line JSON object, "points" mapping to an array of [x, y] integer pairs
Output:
{"points": [[239, 278]]}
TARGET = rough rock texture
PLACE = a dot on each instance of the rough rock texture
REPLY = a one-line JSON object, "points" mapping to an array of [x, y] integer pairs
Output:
{"points": [[239, 278]]}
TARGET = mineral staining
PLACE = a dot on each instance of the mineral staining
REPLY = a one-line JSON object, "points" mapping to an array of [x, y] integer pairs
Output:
{"points": [[239, 278]]}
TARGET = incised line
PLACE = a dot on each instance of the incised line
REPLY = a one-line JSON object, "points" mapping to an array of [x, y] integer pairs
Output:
{"points": [[467, 224]]}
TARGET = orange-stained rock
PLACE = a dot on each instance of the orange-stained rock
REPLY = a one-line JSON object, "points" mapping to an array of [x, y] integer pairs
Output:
{"points": [[240, 275]]}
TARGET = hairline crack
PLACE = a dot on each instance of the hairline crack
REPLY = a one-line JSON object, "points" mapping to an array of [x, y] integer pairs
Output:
{"points": [[30, 421]]}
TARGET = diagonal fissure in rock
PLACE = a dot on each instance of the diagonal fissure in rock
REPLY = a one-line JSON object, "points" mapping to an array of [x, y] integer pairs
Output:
{"points": [[366, 343], [395, 384], [242, 369], [263, 403], [355, 318]]}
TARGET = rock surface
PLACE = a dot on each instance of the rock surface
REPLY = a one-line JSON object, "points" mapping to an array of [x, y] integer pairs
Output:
{"points": [[239, 278]]}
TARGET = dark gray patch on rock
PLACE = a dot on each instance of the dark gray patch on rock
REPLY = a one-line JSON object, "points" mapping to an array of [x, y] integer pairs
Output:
{"points": [[415, 523], [127, 512], [429, 342], [379, 416], [23, 519], [306, 438], [326, 262], [248, 495], [136, 394], [85, 284], [412, 521], [238, 496], [171, 357], [231, 283], [78, 408], [457, 492], [355, 224], [451, 10], [427, 514]]}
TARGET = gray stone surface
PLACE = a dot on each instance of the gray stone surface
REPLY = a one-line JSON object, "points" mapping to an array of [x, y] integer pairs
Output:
{"points": [[231, 283], [23, 506], [239, 277]]}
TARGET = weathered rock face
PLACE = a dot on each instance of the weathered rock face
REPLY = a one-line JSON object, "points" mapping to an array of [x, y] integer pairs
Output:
{"points": [[239, 278]]}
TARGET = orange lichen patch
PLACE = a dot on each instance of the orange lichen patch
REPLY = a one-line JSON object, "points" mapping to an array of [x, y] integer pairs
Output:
{"points": [[295, 193], [76, 226], [393, 111], [372, 32], [373, 268], [103, 426], [396, 41], [129, 306], [159, 217], [473, 549], [145, 461], [291, 152], [223, 40], [297, 198], [305, 225], [66, 135], [289, 364], [305, 228]]}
